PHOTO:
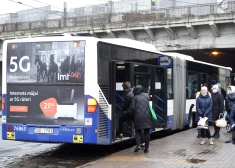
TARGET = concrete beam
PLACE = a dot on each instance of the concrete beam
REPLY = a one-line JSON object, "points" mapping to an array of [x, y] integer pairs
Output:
{"points": [[214, 29], [111, 34], [149, 32], [93, 34], [170, 32], [192, 31], [130, 34]]}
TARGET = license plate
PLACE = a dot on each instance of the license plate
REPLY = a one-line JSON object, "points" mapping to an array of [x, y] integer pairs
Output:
{"points": [[43, 130]]}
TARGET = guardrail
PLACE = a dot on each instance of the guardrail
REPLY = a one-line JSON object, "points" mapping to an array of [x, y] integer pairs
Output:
{"points": [[154, 14]]}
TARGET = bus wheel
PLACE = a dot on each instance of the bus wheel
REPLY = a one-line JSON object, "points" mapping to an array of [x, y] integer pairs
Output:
{"points": [[191, 120]]}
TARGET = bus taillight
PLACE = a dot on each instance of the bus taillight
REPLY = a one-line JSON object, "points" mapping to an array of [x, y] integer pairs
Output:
{"points": [[10, 128], [3, 103], [91, 105]]}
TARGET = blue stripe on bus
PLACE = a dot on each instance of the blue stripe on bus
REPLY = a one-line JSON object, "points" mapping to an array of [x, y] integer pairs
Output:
{"points": [[159, 117], [159, 108], [120, 97], [119, 107], [124, 122], [159, 98]]}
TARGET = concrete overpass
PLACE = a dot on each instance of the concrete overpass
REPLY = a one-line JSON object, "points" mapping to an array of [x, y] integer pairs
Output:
{"points": [[197, 27]]}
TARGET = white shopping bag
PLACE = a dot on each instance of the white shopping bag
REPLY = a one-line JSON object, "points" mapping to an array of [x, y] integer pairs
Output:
{"points": [[202, 123]]}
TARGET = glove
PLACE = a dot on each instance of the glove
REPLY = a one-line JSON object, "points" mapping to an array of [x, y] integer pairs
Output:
{"points": [[202, 115]]}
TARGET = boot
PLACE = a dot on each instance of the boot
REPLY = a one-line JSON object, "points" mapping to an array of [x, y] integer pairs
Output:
{"points": [[211, 142], [203, 141], [217, 135]]}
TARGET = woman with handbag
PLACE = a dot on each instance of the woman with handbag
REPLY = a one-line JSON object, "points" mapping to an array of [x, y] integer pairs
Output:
{"points": [[142, 117], [199, 135], [204, 109], [217, 109]]}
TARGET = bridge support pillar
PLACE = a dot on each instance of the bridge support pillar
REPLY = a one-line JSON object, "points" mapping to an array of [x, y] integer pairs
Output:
{"points": [[191, 30], [111, 34], [149, 32], [130, 34], [170, 32], [214, 29]]}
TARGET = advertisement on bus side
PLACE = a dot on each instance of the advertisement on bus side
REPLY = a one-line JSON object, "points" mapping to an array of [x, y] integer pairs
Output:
{"points": [[46, 62], [50, 105], [45, 83]]}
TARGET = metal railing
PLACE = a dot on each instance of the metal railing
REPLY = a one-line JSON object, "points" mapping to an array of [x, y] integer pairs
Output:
{"points": [[99, 20]]}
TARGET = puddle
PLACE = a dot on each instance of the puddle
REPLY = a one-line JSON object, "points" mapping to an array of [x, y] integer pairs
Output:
{"points": [[195, 161], [207, 152]]}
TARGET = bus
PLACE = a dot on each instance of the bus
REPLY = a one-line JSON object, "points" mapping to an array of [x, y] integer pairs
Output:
{"points": [[68, 89]]}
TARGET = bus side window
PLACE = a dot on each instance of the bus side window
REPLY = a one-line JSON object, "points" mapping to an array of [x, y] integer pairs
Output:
{"points": [[169, 84], [192, 85]]}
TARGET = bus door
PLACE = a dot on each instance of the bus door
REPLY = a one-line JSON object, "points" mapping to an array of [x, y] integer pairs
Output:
{"points": [[159, 96], [120, 72]]}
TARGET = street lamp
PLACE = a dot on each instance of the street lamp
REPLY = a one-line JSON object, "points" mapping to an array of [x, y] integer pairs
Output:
{"points": [[214, 53]]}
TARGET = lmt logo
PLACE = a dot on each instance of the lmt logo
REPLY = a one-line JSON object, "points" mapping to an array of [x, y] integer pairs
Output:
{"points": [[63, 77]]}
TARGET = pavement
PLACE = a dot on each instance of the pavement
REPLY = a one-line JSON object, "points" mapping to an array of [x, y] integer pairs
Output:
{"points": [[180, 150]]}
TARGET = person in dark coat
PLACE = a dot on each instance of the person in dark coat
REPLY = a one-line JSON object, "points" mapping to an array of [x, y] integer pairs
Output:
{"points": [[128, 95], [204, 109], [217, 109], [142, 117], [232, 123], [229, 101], [197, 95]]}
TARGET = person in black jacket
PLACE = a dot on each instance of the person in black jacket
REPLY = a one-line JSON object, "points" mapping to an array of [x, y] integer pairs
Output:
{"points": [[142, 117], [229, 102], [232, 123], [217, 109], [128, 95]]}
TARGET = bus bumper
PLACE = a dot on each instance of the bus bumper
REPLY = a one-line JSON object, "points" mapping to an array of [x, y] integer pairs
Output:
{"points": [[50, 134]]}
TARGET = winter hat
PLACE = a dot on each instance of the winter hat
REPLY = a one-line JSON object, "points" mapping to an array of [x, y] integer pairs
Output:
{"points": [[215, 87], [204, 88], [232, 88], [213, 82]]}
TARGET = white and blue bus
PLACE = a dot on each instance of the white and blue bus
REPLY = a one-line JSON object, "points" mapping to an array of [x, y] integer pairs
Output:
{"points": [[68, 89]]}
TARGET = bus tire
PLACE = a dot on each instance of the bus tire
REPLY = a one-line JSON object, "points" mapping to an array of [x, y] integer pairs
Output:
{"points": [[191, 118]]}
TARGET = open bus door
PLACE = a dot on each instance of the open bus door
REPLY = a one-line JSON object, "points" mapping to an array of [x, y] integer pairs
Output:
{"points": [[154, 82], [160, 96], [120, 72]]}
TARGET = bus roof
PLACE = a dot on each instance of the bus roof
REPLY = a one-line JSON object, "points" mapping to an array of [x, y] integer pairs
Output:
{"points": [[117, 41], [190, 58], [131, 44]]}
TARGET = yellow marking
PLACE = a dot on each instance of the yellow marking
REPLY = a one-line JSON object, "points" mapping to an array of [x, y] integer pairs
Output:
{"points": [[11, 135], [124, 158], [77, 138]]}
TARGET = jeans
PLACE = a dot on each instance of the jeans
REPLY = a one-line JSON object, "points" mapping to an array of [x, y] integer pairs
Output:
{"points": [[146, 137], [122, 119], [206, 133]]}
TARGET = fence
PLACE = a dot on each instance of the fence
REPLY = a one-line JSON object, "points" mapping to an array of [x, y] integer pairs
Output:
{"points": [[154, 14]]}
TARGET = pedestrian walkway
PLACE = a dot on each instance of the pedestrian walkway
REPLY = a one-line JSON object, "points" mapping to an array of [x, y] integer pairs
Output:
{"points": [[181, 150]]}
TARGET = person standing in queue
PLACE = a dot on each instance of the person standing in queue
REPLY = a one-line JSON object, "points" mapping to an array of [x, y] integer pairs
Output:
{"points": [[204, 109], [232, 123], [127, 115], [217, 109], [229, 102], [142, 117], [199, 135]]}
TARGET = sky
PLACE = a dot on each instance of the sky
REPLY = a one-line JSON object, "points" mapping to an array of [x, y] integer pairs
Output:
{"points": [[8, 6]]}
